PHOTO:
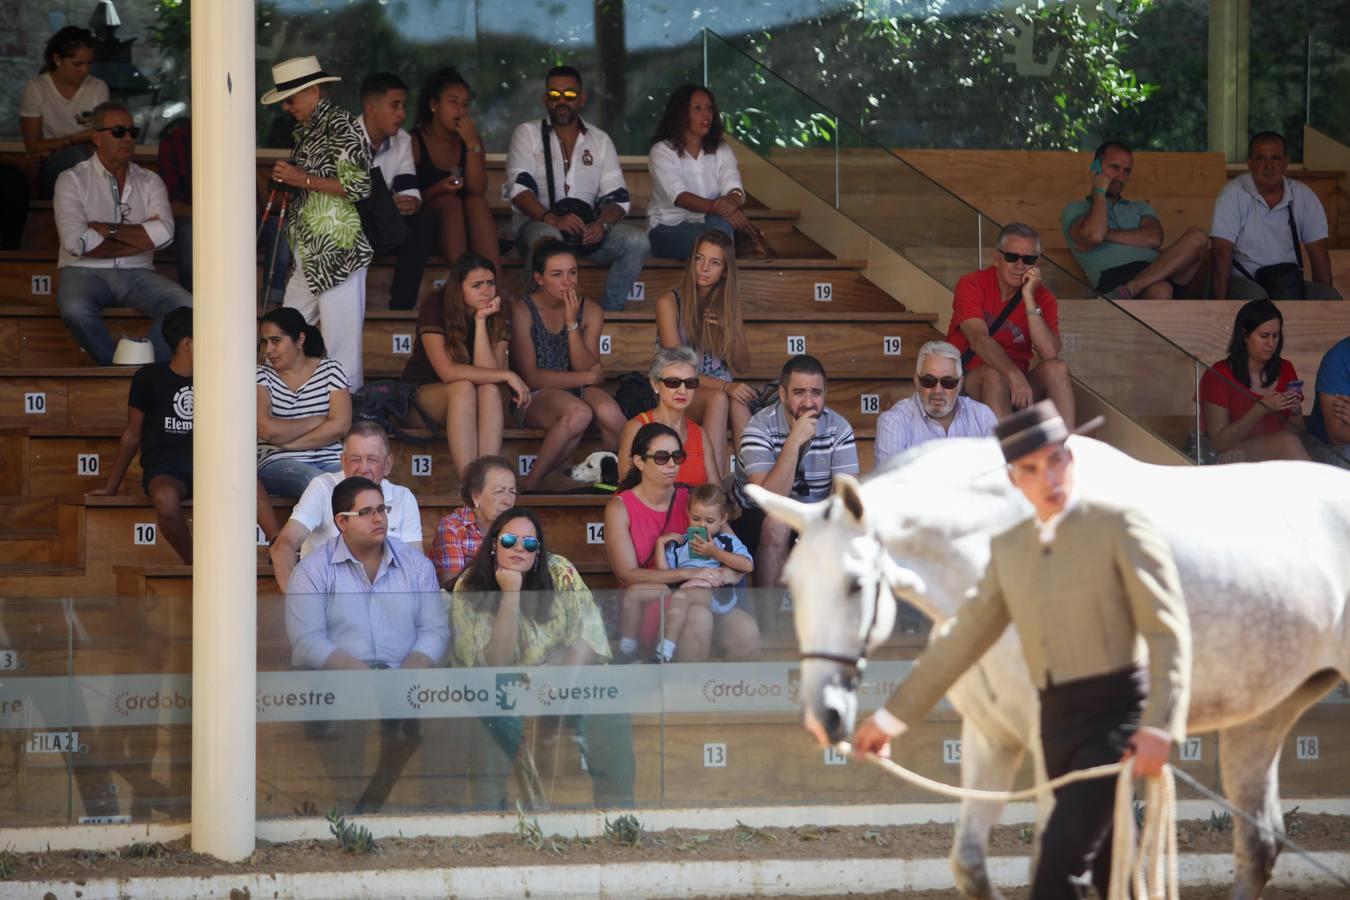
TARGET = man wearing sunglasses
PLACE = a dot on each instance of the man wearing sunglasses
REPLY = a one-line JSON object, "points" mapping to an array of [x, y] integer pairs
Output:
{"points": [[112, 215], [366, 600], [935, 410], [564, 181], [1003, 316]]}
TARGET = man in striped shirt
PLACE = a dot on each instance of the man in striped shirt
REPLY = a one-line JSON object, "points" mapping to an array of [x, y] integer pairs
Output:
{"points": [[794, 448]]}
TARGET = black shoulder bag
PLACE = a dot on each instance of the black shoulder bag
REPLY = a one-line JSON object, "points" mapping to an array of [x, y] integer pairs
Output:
{"points": [[573, 206], [1282, 281], [993, 329]]}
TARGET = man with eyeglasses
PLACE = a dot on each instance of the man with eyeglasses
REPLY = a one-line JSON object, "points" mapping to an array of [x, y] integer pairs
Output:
{"points": [[935, 410], [794, 447], [365, 452], [564, 180], [112, 215], [335, 621], [1001, 317]]}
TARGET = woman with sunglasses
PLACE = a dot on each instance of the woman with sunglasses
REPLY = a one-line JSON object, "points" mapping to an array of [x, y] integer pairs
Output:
{"points": [[555, 346], [675, 379], [651, 503], [704, 313], [519, 605], [55, 107]]}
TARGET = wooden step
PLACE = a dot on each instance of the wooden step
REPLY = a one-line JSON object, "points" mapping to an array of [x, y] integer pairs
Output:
{"points": [[95, 397], [28, 546]]}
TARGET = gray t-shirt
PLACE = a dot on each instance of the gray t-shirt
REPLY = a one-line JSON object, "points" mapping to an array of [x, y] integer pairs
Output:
{"points": [[1259, 233]]}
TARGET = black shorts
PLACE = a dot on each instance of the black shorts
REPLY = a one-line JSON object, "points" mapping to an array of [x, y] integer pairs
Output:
{"points": [[1116, 276], [180, 471]]}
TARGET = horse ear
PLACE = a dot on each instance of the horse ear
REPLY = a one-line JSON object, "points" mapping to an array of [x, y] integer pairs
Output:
{"points": [[795, 514], [849, 490]]}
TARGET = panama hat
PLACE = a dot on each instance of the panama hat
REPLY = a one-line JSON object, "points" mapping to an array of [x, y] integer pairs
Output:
{"points": [[294, 75], [1030, 429]]}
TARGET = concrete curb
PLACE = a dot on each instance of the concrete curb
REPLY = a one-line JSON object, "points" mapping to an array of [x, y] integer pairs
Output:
{"points": [[630, 881]]}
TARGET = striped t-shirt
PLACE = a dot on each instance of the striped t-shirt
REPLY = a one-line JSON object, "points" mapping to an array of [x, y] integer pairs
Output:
{"points": [[832, 450], [310, 400]]}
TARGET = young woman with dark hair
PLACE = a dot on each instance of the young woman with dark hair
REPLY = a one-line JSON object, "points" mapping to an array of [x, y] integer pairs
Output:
{"points": [[452, 170], [55, 107], [555, 346], [696, 185], [459, 361], [1250, 411], [304, 406]]}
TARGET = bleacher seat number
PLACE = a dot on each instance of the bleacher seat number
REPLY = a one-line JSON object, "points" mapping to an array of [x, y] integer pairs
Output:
{"points": [[595, 532], [606, 344], [1306, 747], [796, 344], [638, 292], [421, 465], [890, 345], [35, 403], [525, 463], [438, 283], [824, 291], [834, 758], [951, 753], [9, 660], [871, 404], [42, 285], [143, 534], [402, 344], [258, 536], [714, 756], [86, 464], [1190, 750]]}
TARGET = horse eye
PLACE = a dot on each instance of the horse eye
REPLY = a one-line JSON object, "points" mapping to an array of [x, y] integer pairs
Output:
{"points": [[852, 586]]}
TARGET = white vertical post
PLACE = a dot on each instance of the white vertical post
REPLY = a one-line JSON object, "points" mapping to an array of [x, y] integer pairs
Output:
{"points": [[224, 586]]}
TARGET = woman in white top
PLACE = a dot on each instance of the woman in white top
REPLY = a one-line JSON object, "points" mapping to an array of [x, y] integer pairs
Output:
{"points": [[55, 108], [696, 185]]}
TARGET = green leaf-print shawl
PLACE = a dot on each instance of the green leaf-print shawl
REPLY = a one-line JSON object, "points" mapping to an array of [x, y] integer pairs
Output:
{"points": [[325, 231]]}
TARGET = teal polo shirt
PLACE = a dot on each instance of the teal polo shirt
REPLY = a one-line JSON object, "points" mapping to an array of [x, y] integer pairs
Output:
{"points": [[1121, 215]]}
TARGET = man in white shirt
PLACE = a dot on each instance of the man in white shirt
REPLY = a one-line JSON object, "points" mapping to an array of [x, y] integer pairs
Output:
{"points": [[585, 167], [1260, 220], [935, 410], [384, 107], [365, 452], [112, 216]]}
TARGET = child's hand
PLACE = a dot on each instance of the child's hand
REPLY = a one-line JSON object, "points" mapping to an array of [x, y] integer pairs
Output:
{"points": [[702, 546], [668, 538]]}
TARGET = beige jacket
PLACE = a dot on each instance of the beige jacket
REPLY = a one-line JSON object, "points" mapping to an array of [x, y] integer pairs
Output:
{"points": [[1102, 595]]}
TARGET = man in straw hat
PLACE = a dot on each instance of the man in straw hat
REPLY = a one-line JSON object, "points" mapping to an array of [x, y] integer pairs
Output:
{"points": [[329, 171], [1090, 587]]}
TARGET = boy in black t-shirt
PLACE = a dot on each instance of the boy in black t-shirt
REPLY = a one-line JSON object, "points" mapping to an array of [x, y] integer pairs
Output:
{"points": [[159, 422]]}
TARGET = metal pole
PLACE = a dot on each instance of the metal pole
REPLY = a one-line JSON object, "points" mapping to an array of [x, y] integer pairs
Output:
{"points": [[705, 59], [224, 585], [836, 161], [979, 239]]}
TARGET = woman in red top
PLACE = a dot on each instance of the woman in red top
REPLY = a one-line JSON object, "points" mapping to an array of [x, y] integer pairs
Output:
{"points": [[1250, 412], [674, 376]]}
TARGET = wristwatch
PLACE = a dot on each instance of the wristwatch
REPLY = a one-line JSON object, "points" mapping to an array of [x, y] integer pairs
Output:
{"points": [[1033, 310], [606, 226], [112, 229]]}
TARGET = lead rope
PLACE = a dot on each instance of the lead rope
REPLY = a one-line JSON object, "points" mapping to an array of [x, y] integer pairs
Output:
{"points": [[1152, 871]]}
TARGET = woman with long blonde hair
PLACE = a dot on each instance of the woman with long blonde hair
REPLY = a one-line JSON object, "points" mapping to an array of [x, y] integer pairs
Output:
{"points": [[705, 313]]}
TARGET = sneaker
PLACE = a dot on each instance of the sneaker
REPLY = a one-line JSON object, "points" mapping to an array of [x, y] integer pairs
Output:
{"points": [[1120, 293]]}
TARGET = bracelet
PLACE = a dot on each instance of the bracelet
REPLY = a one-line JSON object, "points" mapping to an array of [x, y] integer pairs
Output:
{"points": [[573, 326], [1099, 190], [306, 182]]}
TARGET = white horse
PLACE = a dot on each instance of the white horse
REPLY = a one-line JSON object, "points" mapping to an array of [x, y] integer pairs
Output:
{"points": [[1264, 556]]}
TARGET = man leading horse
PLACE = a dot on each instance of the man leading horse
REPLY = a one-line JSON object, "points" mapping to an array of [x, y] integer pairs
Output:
{"points": [[1092, 589]]}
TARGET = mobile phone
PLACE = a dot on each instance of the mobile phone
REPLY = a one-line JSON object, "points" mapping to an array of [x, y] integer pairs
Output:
{"points": [[1296, 387], [1096, 167], [696, 531]]}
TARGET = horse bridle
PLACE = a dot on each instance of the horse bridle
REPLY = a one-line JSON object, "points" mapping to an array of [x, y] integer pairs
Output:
{"points": [[857, 663]]}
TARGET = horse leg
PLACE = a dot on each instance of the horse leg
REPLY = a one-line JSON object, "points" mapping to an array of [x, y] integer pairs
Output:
{"points": [[1249, 766], [988, 765]]}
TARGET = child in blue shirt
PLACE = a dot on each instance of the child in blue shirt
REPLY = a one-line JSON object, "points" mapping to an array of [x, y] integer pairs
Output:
{"points": [[709, 507]]}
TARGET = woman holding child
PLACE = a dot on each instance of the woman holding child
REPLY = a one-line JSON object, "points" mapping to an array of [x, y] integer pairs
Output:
{"points": [[651, 506]]}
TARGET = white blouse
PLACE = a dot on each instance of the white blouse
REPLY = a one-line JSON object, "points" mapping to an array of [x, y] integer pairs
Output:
{"points": [[709, 175]]}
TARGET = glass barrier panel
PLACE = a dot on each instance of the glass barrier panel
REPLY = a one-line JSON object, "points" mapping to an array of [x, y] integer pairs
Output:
{"points": [[1329, 89]]}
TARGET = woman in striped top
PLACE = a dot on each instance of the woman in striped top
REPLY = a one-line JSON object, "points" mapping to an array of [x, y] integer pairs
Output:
{"points": [[304, 406]]}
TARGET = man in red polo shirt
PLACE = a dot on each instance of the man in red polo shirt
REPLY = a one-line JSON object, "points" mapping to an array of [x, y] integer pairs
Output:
{"points": [[1000, 373]]}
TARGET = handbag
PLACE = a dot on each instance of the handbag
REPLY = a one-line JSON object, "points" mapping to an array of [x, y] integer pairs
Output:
{"points": [[1282, 281], [993, 328], [387, 403], [380, 218], [634, 395]]}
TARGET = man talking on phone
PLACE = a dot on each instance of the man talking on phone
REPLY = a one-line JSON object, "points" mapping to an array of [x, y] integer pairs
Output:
{"points": [[793, 447], [1002, 316]]}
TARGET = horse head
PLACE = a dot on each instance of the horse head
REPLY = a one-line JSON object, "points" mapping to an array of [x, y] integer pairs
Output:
{"points": [[844, 587]]}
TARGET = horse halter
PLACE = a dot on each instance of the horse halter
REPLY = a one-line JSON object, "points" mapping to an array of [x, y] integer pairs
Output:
{"points": [[857, 663]]}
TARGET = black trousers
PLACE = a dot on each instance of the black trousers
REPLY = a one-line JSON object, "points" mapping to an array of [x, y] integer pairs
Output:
{"points": [[1084, 723]]}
